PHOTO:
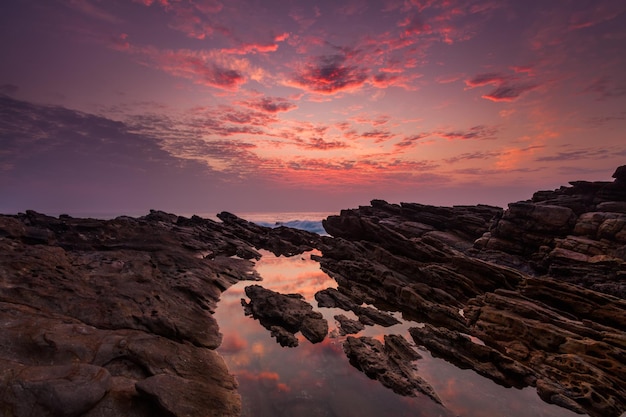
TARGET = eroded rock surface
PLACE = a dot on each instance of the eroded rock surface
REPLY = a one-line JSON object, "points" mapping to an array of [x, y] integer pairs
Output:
{"points": [[391, 364], [284, 315], [115, 318], [528, 296]]}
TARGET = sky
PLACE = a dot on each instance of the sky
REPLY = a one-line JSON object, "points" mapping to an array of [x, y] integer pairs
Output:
{"points": [[199, 106]]}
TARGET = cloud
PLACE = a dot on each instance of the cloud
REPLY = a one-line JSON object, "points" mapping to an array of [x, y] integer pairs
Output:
{"points": [[508, 92], [9, 89], [409, 141], [96, 12], [329, 75], [605, 88], [475, 132], [321, 144], [271, 105], [578, 154], [210, 68], [508, 87], [490, 78], [59, 159], [478, 155]]}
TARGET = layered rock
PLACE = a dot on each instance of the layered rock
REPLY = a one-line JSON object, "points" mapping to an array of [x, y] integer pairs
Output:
{"points": [[284, 315], [529, 296], [575, 233], [114, 318], [391, 364]]}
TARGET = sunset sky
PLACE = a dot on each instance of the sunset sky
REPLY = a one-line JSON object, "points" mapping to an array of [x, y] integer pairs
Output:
{"points": [[198, 106]]}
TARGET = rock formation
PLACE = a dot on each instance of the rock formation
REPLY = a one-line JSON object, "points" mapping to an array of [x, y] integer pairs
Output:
{"points": [[529, 296], [114, 318], [391, 364], [284, 315]]}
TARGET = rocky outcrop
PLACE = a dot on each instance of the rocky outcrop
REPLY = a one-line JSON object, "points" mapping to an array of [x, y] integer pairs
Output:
{"points": [[575, 233], [528, 296], [368, 316], [284, 315], [114, 318], [391, 364]]}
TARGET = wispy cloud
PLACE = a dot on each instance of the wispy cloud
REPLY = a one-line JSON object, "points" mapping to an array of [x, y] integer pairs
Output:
{"points": [[474, 132], [508, 86]]}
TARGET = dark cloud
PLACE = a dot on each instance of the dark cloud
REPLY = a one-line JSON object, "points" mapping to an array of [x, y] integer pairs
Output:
{"points": [[486, 79], [378, 135], [57, 159], [330, 74], [475, 132], [578, 154], [9, 89], [605, 88], [480, 155], [272, 105], [410, 140], [508, 87], [508, 92], [321, 144]]}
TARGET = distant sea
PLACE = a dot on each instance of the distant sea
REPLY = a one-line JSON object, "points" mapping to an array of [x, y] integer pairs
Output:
{"points": [[310, 221]]}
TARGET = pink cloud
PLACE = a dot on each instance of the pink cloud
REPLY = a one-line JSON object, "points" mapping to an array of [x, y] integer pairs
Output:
{"points": [[248, 48], [490, 78], [508, 92], [414, 25], [208, 6], [508, 87]]}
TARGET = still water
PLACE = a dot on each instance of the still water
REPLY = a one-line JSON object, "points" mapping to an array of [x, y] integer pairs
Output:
{"points": [[317, 380]]}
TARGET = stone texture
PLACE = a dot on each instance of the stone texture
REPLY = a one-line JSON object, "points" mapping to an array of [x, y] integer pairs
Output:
{"points": [[115, 318], [528, 296], [282, 313], [391, 364]]}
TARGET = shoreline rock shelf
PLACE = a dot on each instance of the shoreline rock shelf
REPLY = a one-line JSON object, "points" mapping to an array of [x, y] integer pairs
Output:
{"points": [[115, 317], [541, 284]]}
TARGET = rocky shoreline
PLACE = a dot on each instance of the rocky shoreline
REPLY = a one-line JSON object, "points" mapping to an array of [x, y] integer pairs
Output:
{"points": [[115, 317]]}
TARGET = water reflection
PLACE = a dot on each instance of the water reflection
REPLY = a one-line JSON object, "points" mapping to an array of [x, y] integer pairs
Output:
{"points": [[317, 380]]}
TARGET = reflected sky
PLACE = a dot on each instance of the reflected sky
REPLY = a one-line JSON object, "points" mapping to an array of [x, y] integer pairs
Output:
{"points": [[317, 379]]}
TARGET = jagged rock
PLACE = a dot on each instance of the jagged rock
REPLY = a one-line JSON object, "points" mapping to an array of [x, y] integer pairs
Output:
{"points": [[91, 309], [369, 316], [287, 311], [532, 296], [391, 364], [348, 326]]}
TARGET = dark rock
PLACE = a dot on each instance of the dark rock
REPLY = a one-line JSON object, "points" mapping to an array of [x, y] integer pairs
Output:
{"points": [[287, 311], [114, 318], [532, 296], [348, 326], [391, 364]]}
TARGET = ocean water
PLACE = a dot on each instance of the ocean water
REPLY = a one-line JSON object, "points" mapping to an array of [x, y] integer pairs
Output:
{"points": [[310, 221]]}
